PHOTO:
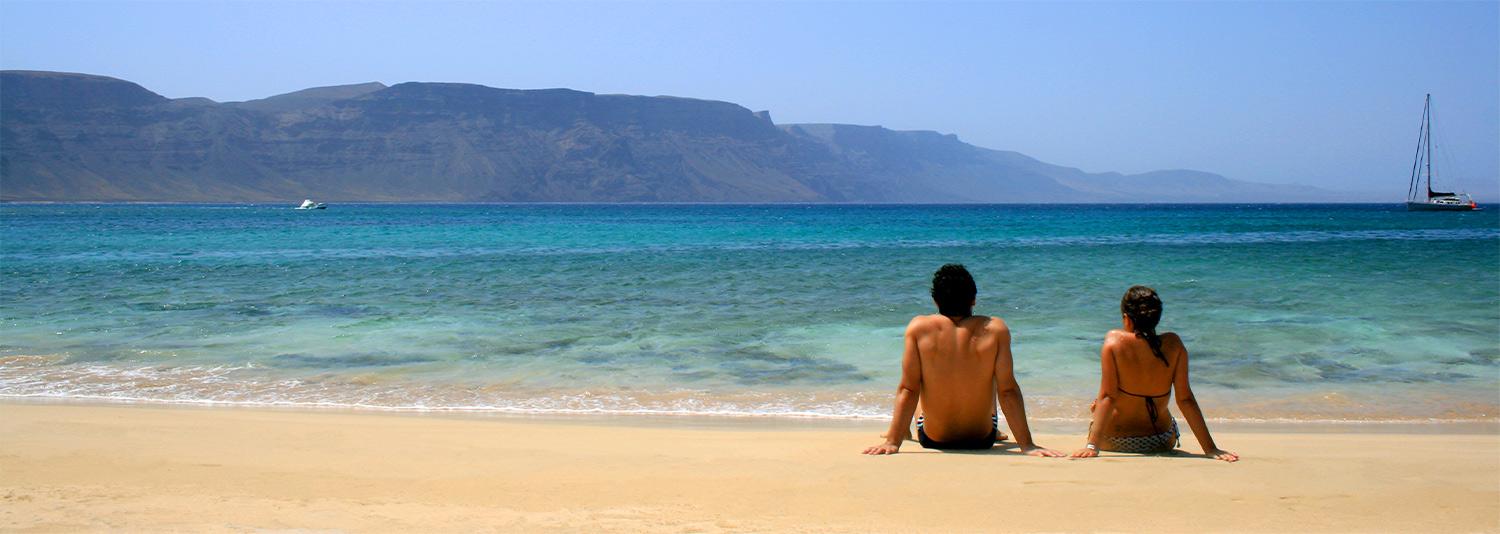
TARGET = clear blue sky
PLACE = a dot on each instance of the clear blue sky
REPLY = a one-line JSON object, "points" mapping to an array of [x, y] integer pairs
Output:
{"points": [[1327, 94]]}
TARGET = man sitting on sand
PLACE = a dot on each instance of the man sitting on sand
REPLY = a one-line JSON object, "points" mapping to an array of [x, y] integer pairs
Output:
{"points": [[955, 363]]}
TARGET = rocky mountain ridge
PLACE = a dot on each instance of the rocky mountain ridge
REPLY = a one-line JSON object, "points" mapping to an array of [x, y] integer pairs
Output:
{"points": [[79, 137]]}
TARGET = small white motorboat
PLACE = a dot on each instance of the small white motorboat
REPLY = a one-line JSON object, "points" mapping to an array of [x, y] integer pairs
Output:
{"points": [[308, 204]]}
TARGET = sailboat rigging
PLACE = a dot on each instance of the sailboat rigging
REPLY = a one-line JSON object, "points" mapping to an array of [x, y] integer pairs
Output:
{"points": [[1419, 193]]}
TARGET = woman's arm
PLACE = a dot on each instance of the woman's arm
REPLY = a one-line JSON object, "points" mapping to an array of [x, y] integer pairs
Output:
{"points": [[1188, 404], [1104, 405]]}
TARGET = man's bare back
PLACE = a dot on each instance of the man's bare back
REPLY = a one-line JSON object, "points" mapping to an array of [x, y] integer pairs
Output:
{"points": [[958, 367], [957, 364]]}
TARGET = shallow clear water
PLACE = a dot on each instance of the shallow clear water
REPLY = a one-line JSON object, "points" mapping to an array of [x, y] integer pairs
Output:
{"points": [[1290, 312]]}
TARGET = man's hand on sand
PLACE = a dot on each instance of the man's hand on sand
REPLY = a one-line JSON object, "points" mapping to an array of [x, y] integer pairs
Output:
{"points": [[1220, 454], [884, 448], [1034, 450], [905, 436]]}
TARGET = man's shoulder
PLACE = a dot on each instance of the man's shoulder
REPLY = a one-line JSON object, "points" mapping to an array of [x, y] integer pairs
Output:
{"points": [[992, 323], [922, 323]]}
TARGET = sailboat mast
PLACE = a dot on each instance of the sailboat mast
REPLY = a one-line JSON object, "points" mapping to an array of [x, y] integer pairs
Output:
{"points": [[1416, 159], [1427, 118], [1422, 163]]}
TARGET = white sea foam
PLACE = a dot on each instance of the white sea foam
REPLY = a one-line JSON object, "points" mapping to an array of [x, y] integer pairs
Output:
{"points": [[45, 377]]}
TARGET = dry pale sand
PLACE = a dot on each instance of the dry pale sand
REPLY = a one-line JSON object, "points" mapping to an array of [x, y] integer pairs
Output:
{"points": [[134, 468]]}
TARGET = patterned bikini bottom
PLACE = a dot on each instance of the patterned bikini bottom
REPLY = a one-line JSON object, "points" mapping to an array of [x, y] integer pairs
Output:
{"points": [[1162, 442]]}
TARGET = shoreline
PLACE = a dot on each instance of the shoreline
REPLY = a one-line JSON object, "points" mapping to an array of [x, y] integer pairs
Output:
{"points": [[73, 467], [1054, 425]]}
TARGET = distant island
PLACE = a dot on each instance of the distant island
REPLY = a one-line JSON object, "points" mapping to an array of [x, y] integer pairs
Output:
{"points": [[80, 137]]}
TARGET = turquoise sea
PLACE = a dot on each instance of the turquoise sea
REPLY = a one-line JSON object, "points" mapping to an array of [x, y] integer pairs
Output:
{"points": [[1298, 313]]}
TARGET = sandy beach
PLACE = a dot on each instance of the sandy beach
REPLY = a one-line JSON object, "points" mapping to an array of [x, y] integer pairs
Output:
{"points": [[66, 467]]}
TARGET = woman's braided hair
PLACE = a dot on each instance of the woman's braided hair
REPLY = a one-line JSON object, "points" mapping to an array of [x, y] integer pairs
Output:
{"points": [[1143, 308]]}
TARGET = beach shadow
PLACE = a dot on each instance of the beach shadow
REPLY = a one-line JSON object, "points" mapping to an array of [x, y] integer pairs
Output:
{"points": [[1010, 448], [1174, 453], [1001, 448]]}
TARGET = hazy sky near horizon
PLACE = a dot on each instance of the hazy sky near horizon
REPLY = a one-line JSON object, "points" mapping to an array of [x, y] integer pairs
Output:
{"points": [[1325, 94]]}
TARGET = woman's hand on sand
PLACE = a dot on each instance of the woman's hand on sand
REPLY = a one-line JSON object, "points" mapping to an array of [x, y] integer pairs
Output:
{"points": [[1221, 454], [1035, 450], [884, 448], [1084, 453]]}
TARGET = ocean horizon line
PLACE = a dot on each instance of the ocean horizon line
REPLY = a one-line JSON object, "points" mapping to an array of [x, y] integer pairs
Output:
{"points": [[1396, 203]]}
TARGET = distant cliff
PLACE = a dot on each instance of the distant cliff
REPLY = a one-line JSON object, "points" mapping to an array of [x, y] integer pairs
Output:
{"points": [[82, 137]]}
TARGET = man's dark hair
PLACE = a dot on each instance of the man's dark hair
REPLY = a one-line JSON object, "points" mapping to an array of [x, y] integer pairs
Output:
{"points": [[953, 290]]}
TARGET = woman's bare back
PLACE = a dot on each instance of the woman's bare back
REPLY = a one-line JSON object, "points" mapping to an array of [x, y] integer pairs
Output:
{"points": [[1142, 375]]}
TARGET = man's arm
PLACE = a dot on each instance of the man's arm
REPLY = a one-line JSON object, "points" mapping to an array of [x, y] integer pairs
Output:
{"points": [[907, 394], [1012, 404]]}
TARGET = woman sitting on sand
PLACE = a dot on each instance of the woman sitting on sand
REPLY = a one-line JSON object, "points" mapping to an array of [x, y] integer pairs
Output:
{"points": [[1140, 370]]}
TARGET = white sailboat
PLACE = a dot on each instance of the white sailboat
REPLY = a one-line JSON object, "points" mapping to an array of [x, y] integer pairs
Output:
{"points": [[308, 204], [1419, 193]]}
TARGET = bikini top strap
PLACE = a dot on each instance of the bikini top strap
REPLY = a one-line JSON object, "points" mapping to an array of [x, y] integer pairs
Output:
{"points": [[1150, 399], [1122, 388]]}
